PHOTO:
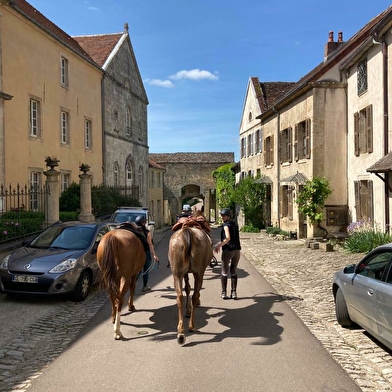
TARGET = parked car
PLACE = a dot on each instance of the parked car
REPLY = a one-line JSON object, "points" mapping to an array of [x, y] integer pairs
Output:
{"points": [[129, 214], [60, 260], [363, 294]]}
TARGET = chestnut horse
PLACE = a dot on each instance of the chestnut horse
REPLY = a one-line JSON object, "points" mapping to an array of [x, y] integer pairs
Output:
{"points": [[190, 251], [120, 256]]}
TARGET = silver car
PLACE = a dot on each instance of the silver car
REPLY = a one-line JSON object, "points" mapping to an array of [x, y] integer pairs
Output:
{"points": [[363, 294], [60, 260]]}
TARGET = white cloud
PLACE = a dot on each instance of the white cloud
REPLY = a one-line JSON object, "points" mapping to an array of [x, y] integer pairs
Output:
{"points": [[194, 74], [95, 9], [160, 83]]}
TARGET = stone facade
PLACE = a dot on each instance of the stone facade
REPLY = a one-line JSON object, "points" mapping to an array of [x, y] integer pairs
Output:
{"points": [[322, 107], [189, 175]]}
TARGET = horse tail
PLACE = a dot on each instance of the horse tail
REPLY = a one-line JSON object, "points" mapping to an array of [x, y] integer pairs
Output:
{"points": [[187, 236], [108, 266]]}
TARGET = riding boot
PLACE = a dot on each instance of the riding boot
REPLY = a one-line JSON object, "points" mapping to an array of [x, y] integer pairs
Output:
{"points": [[224, 287], [234, 279]]}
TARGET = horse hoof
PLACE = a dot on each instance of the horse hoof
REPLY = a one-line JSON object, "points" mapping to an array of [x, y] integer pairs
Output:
{"points": [[118, 336], [181, 339], [192, 329], [132, 308]]}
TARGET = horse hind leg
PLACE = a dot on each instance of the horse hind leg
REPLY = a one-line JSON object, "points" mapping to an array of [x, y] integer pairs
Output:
{"points": [[188, 305], [119, 304], [180, 326], [195, 303], [132, 287]]}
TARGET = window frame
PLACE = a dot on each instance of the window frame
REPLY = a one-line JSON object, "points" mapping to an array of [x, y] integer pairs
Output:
{"points": [[64, 127], [64, 71]]}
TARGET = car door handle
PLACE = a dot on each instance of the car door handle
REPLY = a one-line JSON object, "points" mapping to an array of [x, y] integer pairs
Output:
{"points": [[370, 291]]}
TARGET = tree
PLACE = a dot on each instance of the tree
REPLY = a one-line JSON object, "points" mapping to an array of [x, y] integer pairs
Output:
{"points": [[225, 182], [311, 199], [251, 196]]}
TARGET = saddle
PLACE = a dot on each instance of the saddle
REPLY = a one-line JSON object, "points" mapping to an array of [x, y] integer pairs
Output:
{"points": [[199, 222], [135, 230]]}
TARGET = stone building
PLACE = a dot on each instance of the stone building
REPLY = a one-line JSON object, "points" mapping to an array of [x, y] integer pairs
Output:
{"points": [[188, 175], [124, 102], [326, 125], [156, 202], [51, 94]]}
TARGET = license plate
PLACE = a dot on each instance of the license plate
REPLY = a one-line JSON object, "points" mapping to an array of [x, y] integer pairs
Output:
{"points": [[24, 279]]}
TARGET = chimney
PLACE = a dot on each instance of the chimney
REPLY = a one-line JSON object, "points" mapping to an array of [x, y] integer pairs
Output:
{"points": [[331, 46]]}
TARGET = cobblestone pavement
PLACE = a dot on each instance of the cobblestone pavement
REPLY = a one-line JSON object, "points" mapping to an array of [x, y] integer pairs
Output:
{"points": [[304, 277]]}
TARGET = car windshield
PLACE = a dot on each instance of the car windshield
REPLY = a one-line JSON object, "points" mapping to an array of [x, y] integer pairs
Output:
{"points": [[127, 216], [74, 237]]}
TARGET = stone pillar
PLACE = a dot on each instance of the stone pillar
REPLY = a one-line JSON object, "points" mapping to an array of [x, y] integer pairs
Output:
{"points": [[85, 195], [52, 210]]}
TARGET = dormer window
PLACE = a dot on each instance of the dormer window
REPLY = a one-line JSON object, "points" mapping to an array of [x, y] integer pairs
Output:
{"points": [[362, 77]]}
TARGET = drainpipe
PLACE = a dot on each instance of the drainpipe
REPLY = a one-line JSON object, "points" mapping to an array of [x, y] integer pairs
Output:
{"points": [[277, 161], [103, 130], [386, 134]]}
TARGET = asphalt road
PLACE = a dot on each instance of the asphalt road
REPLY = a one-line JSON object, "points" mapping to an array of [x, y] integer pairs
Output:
{"points": [[252, 344]]}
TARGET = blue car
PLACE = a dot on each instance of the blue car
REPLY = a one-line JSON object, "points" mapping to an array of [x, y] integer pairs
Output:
{"points": [[363, 294], [60, 260]]}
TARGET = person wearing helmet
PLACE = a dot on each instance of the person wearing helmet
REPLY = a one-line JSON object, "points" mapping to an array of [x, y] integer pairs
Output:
{"points": [[231, 246], [140, 221]]}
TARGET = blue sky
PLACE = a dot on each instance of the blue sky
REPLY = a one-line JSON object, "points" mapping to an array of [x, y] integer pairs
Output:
{"points": [[195, 57]]}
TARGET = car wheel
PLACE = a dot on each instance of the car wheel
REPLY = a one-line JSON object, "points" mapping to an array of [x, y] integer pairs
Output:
{"points": [[341, 310], [83, 287]]}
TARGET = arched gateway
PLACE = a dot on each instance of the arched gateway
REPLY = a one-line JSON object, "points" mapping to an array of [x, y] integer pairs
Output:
{"points": [[188, 175]]}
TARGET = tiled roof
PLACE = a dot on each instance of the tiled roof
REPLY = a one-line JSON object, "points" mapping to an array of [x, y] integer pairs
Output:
{"points": [[28, 11], [268, 93], [99, 46], [384, 165], [297, 178], [194, 157], [155, 165]]}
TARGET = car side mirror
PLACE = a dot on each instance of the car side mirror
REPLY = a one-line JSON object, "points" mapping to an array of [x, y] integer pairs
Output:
{"points": [[349, 269]]}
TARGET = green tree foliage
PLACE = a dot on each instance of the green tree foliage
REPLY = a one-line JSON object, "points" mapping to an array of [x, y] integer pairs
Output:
{"points": [[251, 196], [104, 199], [311, 199], [225, 181]]}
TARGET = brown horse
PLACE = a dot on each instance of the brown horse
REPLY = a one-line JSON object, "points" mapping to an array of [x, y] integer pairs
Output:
{"points": [[120, 256], [190, 251]]}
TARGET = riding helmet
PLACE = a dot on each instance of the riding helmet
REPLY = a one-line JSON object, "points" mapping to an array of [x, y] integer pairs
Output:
{"points": [[227, 212], [140, 220]]}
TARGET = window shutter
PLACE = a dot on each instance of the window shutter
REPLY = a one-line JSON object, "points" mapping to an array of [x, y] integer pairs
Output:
{"points": [[357, 185], [296, 142], [265, 152], [289, 145], [307, 137], [369, 128], [370, 200], [280, 142], [272, 151], [356, 134]]}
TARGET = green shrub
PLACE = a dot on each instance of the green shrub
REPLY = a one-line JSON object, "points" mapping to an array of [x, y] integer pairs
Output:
{"points": [[364, 236], [68, 216], [18, 224], [273, 230], [250, 229]]}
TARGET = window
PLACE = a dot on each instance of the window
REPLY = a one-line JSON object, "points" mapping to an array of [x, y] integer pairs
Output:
{"points": [[35, 113], [159, 180], [287, 201], [285, 143], [374, 266], [65, 181], [362, 80], [364, 200], [64, 127], [250, 146], [87, 135], [269, 151], [64, 77], [250, 117], [243, 147], [115, 173], [35, 182], [363, 131], [152, 179], [129, 173], [302, 140], [258, 142], [128, 122]]}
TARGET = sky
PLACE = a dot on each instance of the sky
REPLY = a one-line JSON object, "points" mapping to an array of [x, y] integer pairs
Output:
{"points": [[196, 57]]}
